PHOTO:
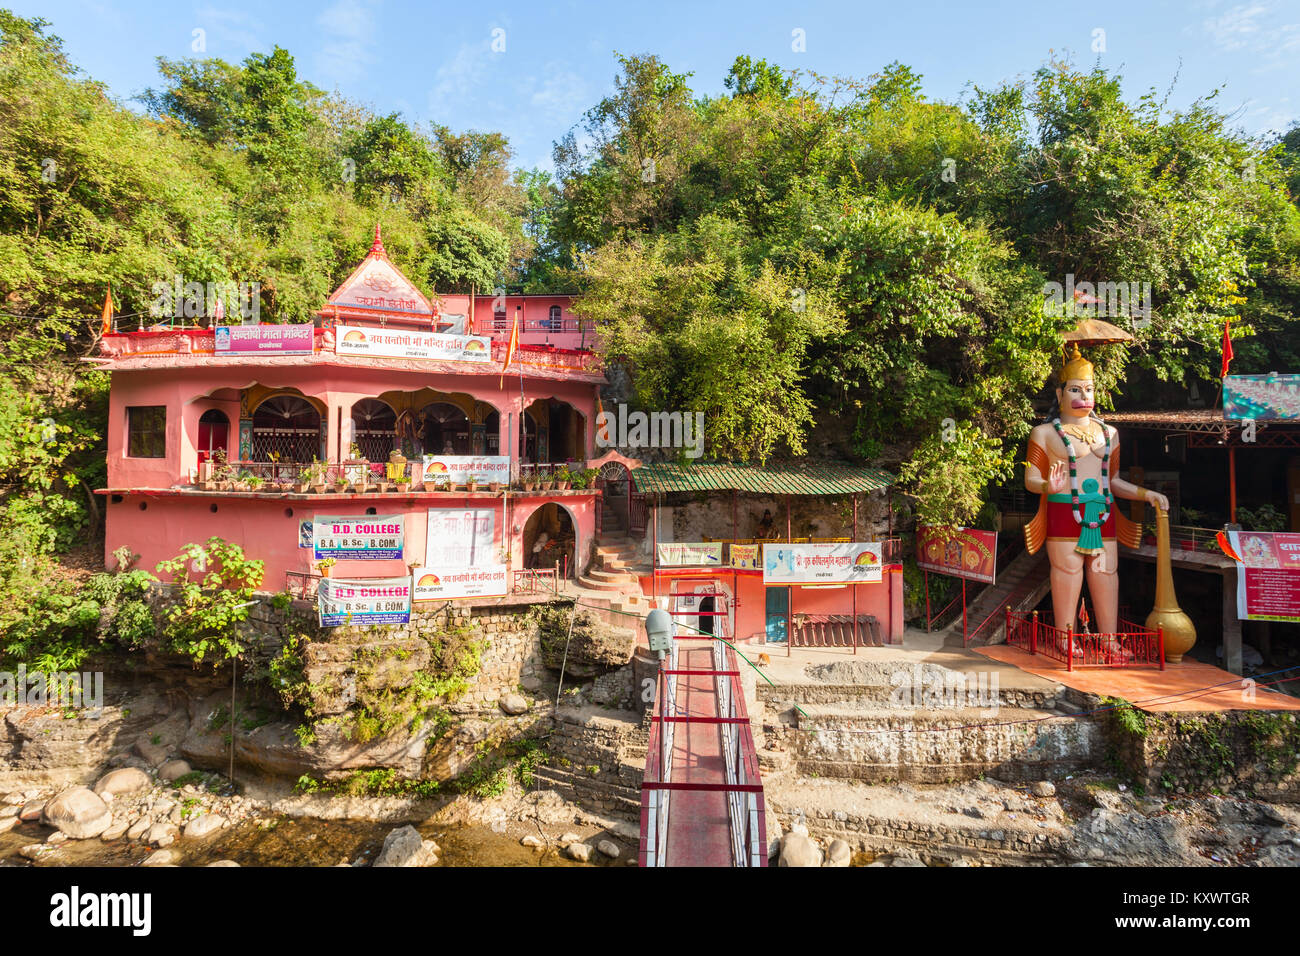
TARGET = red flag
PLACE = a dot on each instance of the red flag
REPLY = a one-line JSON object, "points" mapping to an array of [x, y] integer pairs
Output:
{"points": [[106, 323], [1227, 349], [510, 351]]}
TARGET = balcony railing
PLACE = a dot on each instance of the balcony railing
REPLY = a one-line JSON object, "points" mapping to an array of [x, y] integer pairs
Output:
{"points": [[360, 477], [169, 340]]}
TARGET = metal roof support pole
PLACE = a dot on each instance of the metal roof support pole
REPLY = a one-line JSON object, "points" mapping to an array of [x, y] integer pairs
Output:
{"points": [[789, 539], [1232, 483], [855, 516]]}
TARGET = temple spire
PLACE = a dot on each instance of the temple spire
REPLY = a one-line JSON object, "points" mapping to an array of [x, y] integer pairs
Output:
{"points": [[377, 247]]}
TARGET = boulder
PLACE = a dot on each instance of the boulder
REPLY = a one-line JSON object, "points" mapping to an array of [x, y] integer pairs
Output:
{"points": [[608, 848], [533, 841], [159, 858], [174, 770], [203, 826], [224, 863], [799, 850], [570, 838], [162, 834], [838, 854], [115, 832], [513, 704], [79, 813], [7, 824], [138, 829], [404, 847], [151, 753], [124, 780], [31, 811], [1043, 788], [579, 851]]}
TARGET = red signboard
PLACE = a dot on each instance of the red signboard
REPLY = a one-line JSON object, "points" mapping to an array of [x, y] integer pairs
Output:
{"points": [[1268, 576], [961, 553]]}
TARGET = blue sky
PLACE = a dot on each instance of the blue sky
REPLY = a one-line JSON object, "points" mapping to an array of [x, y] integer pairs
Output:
{"points": [[435, 61]]}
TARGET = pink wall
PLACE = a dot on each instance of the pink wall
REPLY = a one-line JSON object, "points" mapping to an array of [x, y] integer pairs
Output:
{"points": [[267, 528], [751, 606], [189, 392], [534, 326]]}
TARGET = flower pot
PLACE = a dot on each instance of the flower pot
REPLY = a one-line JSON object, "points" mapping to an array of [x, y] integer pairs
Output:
{"points": [[562, 485], [318, 487], [547, 485], [301, 487], [529, 485], [471, 486], [239, 486], [325, 572]]}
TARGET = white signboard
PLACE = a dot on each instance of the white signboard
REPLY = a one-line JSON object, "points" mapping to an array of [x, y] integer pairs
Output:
{"points": [[689, 555], [460, 538], [365, 602], [432, 584], [822, 563], [457, 469], [359, 537], [398, 343]]}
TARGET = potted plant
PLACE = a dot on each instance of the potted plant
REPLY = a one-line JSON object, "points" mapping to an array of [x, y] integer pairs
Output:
{"points": [[471, 483], [241, 480], [494, 487], [341, 483], [403, 482], [562, 478], [255, 482], [324, 565], [318, 477], [303, 483], [362, 482]]}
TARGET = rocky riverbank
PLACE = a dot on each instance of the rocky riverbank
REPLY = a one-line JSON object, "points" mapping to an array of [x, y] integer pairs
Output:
{"points": [[1085, 820]]}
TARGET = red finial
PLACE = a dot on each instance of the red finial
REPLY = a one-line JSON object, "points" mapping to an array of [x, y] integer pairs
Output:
{"points": [[377, 247]]}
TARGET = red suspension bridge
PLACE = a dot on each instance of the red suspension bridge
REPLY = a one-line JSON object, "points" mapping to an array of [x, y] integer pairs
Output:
{"points": [[701, 796]]}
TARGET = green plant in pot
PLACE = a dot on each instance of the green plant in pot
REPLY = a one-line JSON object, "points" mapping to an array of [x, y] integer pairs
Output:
{"points": [[563, 477], [324, 565]]}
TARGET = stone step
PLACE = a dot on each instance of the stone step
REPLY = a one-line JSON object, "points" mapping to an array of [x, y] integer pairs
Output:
{"points": [[941, 745], [597, 585], [612, 576]]}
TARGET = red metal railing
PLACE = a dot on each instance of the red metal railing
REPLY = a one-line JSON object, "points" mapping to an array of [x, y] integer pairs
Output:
{"points": [[535, 581], [301, 584], [1132, 646]]}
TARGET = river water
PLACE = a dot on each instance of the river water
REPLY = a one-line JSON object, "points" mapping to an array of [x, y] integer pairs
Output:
{"points": [[291, 841]]}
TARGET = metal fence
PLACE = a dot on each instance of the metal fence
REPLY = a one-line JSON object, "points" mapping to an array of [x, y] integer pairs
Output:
{"points": [[1131, 646]]}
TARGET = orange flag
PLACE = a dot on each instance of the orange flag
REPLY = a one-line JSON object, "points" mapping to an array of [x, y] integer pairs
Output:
{"points": [[106, 323], [510, 351]]}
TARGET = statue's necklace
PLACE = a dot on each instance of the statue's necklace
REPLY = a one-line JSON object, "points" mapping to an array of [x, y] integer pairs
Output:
{"points": [[1074, 478]]}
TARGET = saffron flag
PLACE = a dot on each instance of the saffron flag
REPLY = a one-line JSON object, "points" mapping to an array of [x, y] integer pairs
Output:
{"points": [[510, 351], [106, 324], [1227, 349]]}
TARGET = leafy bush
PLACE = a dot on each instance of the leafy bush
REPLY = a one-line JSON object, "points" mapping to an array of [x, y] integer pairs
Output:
{"points": [[204, 619]]}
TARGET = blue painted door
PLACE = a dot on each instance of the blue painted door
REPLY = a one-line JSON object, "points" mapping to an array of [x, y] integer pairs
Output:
{"points": [[778, 610]]}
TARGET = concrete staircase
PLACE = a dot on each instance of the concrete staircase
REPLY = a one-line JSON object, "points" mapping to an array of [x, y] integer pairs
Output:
{"points": [[1022, 584]]}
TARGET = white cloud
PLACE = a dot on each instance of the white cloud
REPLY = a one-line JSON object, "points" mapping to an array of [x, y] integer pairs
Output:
{"points": [[230, 34], [349, 30], [1259, 29]]}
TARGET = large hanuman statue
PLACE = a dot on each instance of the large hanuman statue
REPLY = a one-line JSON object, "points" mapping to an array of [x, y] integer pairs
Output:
{"points": [[1074, 465]]}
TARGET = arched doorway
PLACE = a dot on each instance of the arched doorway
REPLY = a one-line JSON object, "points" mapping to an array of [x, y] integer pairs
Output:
{"points": [[707, 607], [612, 481], [550, 540], [492, 433], [443, 429], [286, 428], [374, 428], [214, 434], [555, 432]]}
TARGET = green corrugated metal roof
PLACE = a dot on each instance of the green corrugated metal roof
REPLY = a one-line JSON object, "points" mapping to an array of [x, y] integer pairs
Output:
{"points": [[813, 478]]}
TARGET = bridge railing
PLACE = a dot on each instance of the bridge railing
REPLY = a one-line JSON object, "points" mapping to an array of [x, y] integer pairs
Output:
{"points": [[745, 809], [659, 767]]}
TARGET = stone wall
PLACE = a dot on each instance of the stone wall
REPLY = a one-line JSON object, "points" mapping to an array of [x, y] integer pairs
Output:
{"points": [[1252, 750]]}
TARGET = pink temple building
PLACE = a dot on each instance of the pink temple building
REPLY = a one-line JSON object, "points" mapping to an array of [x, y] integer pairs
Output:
{"points": [[382, 368]]}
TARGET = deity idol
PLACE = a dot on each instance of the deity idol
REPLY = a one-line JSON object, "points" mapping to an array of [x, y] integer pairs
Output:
{"points": [[1074, 467]]}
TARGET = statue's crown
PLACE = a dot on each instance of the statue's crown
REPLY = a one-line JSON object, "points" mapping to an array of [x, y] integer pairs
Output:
{"points": [[1075, 367]]}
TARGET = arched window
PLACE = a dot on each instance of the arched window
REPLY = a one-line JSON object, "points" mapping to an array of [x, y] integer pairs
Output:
{"points": [[443, 429], [214, 434], [374, 428], [286, 427]]}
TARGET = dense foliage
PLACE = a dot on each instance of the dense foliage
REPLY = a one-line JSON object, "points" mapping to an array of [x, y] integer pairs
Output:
{"points": [[919, 236]]}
